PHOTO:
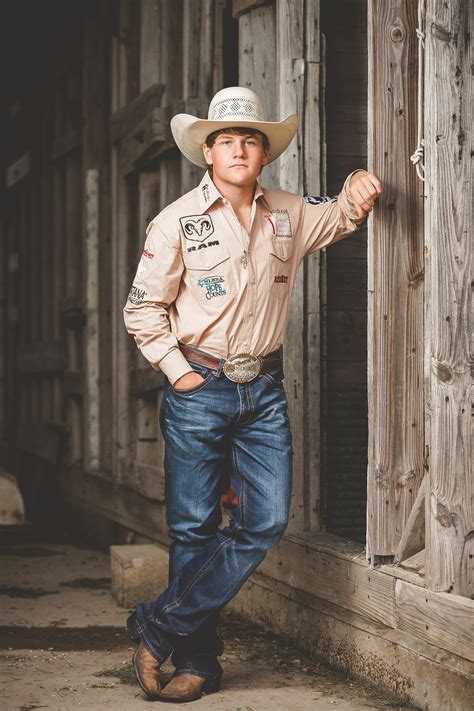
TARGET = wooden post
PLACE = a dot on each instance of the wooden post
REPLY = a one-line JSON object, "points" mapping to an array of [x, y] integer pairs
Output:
{"points": [[395, 279], [448, 249]]}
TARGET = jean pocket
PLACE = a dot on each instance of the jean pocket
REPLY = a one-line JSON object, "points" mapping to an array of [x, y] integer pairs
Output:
{"points": [[207, 374], [275, 377]]}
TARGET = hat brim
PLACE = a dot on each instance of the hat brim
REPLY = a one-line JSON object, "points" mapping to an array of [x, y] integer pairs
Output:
{"points": [[190, 133]]}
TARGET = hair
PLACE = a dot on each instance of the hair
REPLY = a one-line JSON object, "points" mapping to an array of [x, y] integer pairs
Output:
{"points": [[240, 131]]}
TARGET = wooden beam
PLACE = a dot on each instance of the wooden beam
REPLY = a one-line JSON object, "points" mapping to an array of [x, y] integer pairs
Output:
{"points": [[341, 578], [290, 98], [448, 249], [413, 536], [395, 279], [439, 618]]}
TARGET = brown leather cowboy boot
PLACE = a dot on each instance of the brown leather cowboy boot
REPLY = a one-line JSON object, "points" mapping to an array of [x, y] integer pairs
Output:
{"points": [[146, 669], [188, 687]]}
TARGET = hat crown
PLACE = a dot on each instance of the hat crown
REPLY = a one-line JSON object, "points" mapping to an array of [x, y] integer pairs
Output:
{"points": [[235, 102]]}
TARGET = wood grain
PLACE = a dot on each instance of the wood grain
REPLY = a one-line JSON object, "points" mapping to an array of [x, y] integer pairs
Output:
{"points": [[439, 618], [345, 580], [448, 250], [395, 280]]}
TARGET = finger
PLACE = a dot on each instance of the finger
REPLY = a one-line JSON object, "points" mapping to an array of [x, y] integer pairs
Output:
{"points": [[366, 193], [375, 182], [360, 200], [360, 211]]}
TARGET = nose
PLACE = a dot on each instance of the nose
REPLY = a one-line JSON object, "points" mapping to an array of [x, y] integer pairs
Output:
{"points": [[239, 149]]}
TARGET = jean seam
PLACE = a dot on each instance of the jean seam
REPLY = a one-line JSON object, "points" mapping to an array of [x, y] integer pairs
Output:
{"points": [[242, 484], [198, 575], [252, 404]]}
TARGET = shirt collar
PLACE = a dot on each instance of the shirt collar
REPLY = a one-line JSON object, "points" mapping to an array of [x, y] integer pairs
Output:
{"points": [[260, 193], [208, 193]]}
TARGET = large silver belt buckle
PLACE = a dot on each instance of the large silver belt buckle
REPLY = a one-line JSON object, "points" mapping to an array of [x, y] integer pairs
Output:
{"points": [[242, 367]]}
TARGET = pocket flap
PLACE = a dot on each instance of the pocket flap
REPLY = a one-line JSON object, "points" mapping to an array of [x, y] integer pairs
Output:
{"points": [[281, 249]]}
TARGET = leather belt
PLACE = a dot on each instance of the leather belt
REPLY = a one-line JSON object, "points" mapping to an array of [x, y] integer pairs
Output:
{"points": [[240, 368]]}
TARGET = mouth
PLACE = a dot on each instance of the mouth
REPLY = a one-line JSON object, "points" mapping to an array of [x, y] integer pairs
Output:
{"points": [[239, 165]]}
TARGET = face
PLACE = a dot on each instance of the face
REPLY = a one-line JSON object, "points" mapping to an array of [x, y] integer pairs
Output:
{"points": [[236, 159]]}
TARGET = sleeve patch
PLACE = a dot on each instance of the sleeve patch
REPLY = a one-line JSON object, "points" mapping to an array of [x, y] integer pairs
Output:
{"points": [[136, 295], [316, 200]]}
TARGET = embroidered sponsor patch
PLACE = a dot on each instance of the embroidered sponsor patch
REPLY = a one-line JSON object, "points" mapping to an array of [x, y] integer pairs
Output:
{"points": [[280, 279], [197, 228], [136, 295], [204, 245], [205, 192], [214, 286], [316, 200], [279, 221], [147, 254]]}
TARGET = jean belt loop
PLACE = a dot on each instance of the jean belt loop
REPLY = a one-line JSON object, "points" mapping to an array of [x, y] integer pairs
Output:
{"points": [[219, 368]]}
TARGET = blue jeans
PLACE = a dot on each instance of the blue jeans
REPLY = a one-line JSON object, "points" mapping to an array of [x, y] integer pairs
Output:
{"points": [[208, 565]]}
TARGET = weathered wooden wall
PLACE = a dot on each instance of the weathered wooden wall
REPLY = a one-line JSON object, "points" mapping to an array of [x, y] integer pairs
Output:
{"points": [[395, 279], [448, 343]]}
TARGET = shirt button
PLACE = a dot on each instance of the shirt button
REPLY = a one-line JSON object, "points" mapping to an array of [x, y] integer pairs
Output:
{"points": [[250, 313], [252, 281], [245, 343]]}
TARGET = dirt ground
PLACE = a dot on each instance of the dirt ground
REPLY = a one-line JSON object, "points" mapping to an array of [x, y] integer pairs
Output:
{"points": [[63, 645]]}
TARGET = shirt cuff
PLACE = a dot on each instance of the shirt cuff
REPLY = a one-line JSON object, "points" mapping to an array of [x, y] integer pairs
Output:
{"points": [[174, 365], [345, 202]]}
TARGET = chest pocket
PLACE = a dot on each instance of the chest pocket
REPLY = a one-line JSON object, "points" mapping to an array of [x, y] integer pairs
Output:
{"points": [[209, 274], [280, 255]]}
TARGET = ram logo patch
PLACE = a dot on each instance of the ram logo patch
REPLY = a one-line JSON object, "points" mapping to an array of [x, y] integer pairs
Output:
{"points": [[197, 228]]}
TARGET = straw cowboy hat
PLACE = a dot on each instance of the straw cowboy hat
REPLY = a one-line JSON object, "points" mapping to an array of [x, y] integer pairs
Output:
{"points": [[230, 108]]}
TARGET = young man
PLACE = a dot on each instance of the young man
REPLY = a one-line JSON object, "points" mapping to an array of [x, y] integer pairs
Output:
{"points": [[208, 307]]}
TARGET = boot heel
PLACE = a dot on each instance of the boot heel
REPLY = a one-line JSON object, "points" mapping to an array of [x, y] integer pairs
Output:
{"points": [[211, 686]]}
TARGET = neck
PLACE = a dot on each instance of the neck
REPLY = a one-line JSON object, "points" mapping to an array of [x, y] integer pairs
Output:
{"points": [[239, 196]]}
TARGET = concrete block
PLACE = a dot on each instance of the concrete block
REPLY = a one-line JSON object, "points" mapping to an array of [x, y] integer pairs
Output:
{"points": [[139, 573]]}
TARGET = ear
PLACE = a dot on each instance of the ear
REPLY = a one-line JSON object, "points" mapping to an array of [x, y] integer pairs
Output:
{"points": [[266, 158], [207, 153]]}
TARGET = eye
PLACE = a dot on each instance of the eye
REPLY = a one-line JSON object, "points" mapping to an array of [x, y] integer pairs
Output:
{"points": [[251, 141]]}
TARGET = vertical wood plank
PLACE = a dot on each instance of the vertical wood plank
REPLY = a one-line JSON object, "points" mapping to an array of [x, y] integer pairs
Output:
{"points": [[257, 69], [312, 304], [448, 249], [92, 373], [291, 67], [171, 48], [150, 26], [395, 310]]}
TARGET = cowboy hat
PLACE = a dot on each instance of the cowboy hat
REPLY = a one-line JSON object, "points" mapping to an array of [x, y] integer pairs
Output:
{"points": [[232, 107]]}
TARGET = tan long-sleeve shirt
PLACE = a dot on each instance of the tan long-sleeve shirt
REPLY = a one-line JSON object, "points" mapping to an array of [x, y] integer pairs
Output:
{"points": [[204, 281]]}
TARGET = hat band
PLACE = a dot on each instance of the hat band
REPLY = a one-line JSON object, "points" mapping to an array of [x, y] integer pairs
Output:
{"points": [[234, 107]]}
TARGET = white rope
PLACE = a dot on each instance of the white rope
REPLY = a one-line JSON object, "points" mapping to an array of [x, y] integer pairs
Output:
{"points": [[418, 156]]}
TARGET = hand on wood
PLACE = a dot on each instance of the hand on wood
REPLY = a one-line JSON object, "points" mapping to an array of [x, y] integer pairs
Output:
{"points": [[364, 189]]}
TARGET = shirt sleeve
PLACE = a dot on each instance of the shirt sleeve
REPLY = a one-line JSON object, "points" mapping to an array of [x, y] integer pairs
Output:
{"points": [[325, 223], [154, 288]]}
